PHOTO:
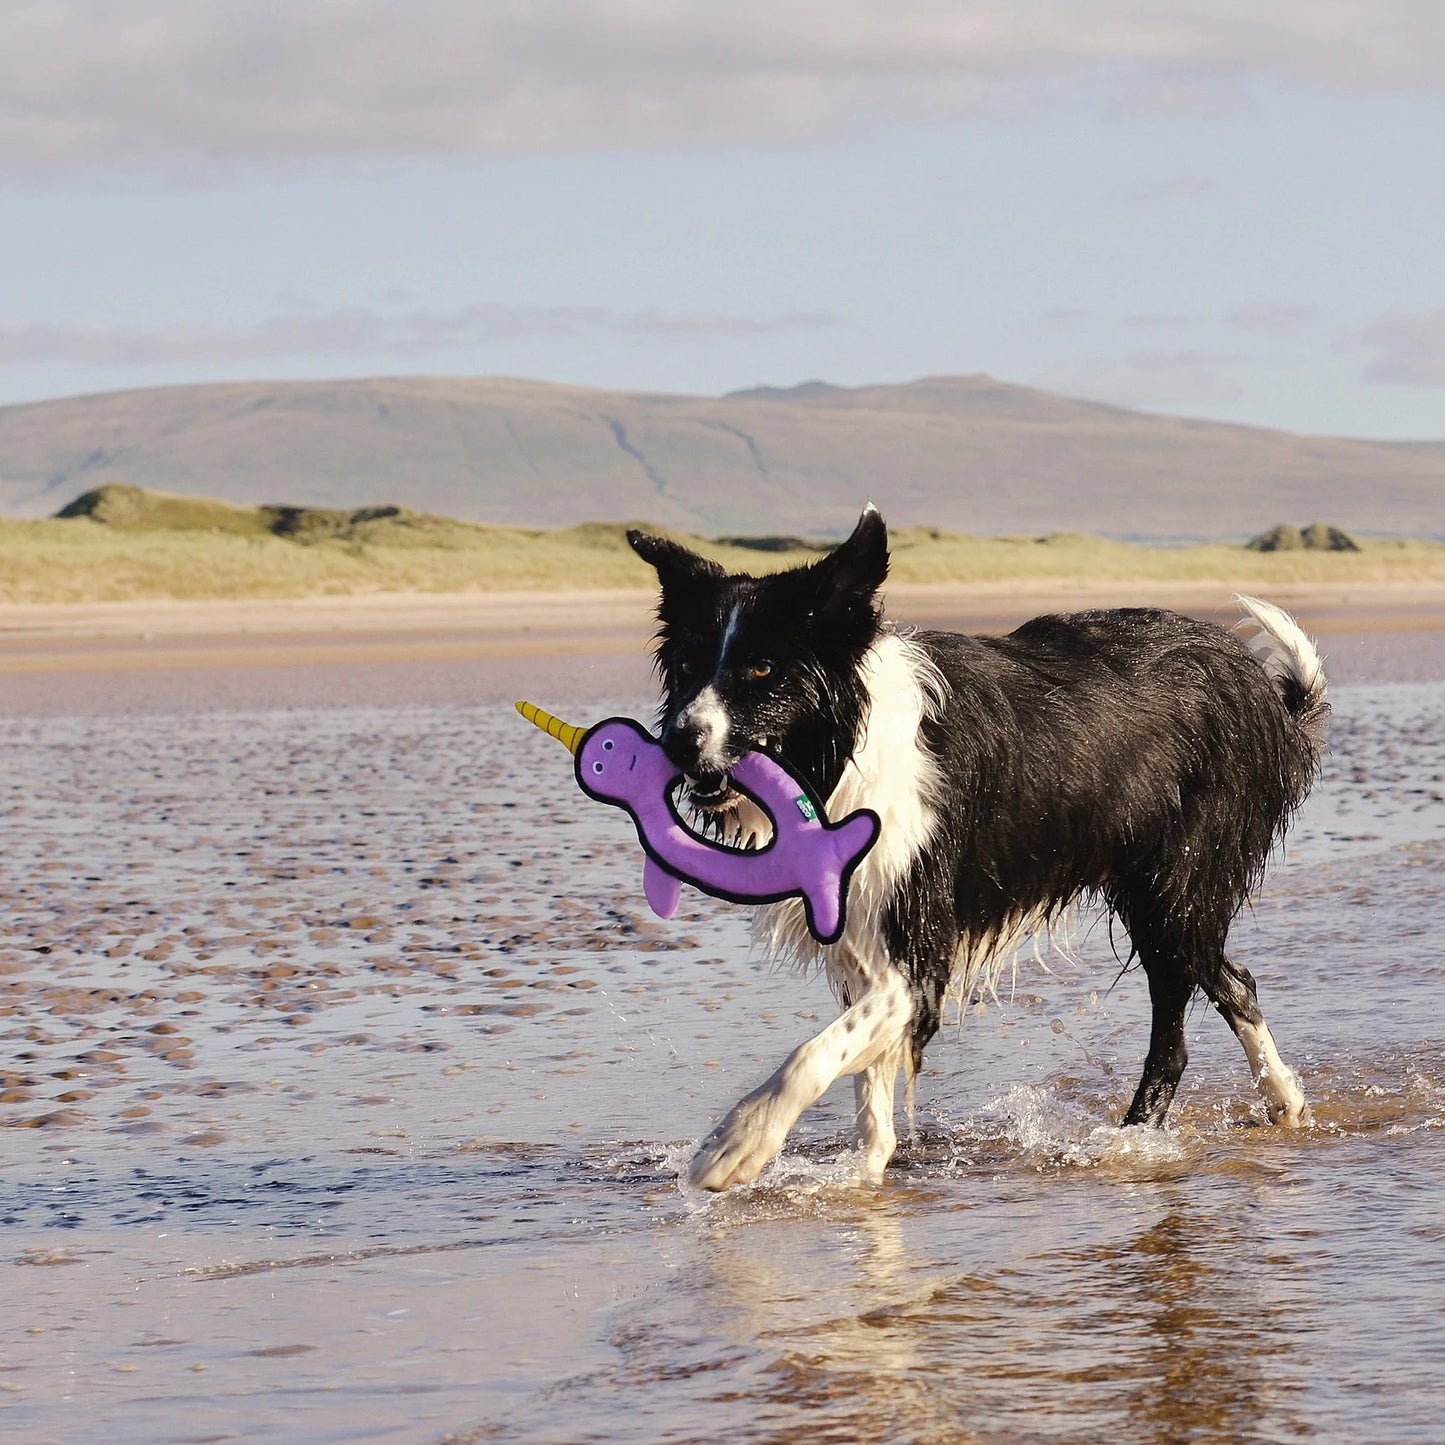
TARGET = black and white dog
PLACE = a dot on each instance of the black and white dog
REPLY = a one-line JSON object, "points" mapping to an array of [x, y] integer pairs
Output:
{"points": [[1136, 756]]}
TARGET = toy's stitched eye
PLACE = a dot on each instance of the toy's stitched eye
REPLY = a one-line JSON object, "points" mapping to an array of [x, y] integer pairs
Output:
{"points": [[760, 669], [596, 767], [607, 745]]}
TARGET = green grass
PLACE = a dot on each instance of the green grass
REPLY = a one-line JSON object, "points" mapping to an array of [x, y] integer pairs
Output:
{"points": [[129, 543]]}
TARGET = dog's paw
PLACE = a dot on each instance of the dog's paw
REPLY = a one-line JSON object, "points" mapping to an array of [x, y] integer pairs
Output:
{"points": [[1291, 1113], [1284, 1099], [873, 1160], [740, 1148]]}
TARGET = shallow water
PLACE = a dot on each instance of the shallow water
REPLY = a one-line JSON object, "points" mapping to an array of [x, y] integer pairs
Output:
{"points": [[347, 1082]]}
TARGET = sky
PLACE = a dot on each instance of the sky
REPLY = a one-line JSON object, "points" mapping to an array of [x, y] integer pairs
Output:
{"points": [[1227, 210]]}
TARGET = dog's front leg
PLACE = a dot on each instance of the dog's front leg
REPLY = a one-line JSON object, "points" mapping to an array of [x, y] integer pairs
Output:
{"points": [[873, 1094], [756, 1126]]}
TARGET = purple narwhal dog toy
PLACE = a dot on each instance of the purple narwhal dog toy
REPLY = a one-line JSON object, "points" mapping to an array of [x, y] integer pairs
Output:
{"points": [[619, 762]]}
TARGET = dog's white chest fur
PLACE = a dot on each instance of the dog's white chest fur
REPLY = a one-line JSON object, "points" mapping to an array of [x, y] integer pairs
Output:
{"points": [[892, 772]]}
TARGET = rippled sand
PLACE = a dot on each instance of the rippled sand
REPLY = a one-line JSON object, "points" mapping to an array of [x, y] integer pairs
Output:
{"points": [[346, 1078]]}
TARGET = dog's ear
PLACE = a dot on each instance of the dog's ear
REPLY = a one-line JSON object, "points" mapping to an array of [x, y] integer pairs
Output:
{"points": [[848, 577], [672, 561]]}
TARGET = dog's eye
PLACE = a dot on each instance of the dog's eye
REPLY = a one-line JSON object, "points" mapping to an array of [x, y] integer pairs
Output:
{"points": [[683, 667], [759, 669]]}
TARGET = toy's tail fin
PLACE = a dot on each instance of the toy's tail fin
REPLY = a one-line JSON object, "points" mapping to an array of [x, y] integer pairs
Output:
{"points": [[826, 897], [570, 737]]}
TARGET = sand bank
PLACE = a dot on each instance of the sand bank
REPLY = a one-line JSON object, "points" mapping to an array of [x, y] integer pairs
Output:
{"points": [[585, 614], [423, 647]]}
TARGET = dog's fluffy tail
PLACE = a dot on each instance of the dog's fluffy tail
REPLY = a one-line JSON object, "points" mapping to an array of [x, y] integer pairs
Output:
{"points": [[1290, 658]]}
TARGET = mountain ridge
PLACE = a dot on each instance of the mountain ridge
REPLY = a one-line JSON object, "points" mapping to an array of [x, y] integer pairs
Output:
{"points": [[968, 452]]}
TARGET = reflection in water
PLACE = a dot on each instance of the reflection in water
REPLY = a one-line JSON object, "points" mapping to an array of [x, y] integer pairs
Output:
{"points": [[780, 1326], [1074, 1301], [847, 1315], [836, 1358], [1216, 1356]]}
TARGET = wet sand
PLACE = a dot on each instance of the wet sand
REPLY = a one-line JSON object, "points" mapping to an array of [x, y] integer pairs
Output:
{"points": [[344, 1078], [356, 651]]}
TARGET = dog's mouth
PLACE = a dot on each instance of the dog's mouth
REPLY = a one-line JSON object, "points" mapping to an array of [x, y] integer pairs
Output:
{"points": [[709, 792], [718, 814]]}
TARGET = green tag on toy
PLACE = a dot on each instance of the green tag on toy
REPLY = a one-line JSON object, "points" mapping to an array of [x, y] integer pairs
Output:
{"points": [[805, 807]]}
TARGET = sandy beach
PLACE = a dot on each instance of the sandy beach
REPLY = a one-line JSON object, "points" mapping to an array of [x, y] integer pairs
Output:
{"points": [[486, 647], [345, 1076], [984, 606]]}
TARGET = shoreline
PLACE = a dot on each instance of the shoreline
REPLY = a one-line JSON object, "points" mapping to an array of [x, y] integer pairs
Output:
{"points": [[559, 648], [1347, 606]]}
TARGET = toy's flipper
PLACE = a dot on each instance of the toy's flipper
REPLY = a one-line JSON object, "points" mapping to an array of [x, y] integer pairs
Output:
{"points": [[570, 737], [825, 901], [663, 889]]}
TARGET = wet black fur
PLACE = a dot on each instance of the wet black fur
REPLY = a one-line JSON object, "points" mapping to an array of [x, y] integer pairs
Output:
{"points": [[1138, 756]]}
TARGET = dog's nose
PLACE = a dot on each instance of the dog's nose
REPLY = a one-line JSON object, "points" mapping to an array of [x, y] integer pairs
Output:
{"points": [[696, 738], [682, 741]]}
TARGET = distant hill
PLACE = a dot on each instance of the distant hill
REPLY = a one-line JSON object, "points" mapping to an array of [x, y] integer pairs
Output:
{"points": [[967, 452], [119, 542]]}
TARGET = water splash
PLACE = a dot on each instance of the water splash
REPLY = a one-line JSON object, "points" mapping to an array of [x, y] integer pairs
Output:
{"points": [[1051, 1132]]}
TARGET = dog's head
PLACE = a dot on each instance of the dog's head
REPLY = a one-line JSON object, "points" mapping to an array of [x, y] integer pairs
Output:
{"points": [[751, 662]]}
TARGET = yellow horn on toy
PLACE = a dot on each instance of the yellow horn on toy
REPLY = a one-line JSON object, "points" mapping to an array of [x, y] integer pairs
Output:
{"points": [[570, 737]]}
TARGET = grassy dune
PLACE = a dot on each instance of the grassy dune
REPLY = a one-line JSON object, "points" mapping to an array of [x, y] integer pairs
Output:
{"points": [[130, 544]]}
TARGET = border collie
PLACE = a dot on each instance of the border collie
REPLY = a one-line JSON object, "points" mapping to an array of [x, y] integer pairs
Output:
{"points": [[1136, 757]]}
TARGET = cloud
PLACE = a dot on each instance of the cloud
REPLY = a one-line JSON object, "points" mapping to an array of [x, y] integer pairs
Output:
{"points": [[1063, 317], [1177, 188], [1409, 348], [1154, 379], [361, 331], [1275, 316], [176, 84], [1157, 321]]}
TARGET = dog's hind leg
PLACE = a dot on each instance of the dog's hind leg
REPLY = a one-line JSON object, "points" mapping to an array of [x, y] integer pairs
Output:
{"points": [[1169, 994], [756, 1126], [1232, 992]]}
